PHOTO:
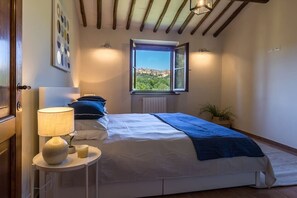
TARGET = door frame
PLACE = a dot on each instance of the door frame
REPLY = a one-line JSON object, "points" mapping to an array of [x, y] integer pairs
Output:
{"points": [[16, 78]]}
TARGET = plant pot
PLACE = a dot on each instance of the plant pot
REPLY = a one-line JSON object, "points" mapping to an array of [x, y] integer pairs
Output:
{"points": [[71, 149], [215, 119]]}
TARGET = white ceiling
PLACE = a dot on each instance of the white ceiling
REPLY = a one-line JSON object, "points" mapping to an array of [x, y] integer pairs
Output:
{"points": [[157, 7]]}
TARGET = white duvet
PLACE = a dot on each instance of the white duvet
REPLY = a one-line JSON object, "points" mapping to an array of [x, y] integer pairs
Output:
{"points": [[140, 147]]}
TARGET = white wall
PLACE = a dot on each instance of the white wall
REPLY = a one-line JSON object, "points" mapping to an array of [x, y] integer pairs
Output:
{"points": [[258, 81], [105, 72], [37, 70]]}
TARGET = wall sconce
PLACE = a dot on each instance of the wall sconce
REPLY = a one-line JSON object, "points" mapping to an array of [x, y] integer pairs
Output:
{"points": [[203, 50], [201, 6], [106, 45]]}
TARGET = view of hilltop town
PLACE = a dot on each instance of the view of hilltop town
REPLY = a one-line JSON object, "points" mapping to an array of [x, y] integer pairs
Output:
{"points": [[152, 79]]}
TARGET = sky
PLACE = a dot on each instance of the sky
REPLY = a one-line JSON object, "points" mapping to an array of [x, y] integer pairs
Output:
{"points": [[153, 59]]}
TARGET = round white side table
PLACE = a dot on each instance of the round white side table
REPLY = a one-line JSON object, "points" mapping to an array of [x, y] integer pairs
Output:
{"points": [[72, 162]]}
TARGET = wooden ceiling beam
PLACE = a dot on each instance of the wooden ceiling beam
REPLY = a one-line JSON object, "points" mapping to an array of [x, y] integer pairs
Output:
{"points": [[115, 10], [176, 16], [83, 13], [230, 19], [186, 22], [218, 17], [255, 1], [146, 14], [162, 16], [131, 10], [99, 13], [205, 17]]}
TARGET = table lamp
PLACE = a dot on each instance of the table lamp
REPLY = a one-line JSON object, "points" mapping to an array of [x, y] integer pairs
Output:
{"points": [[55, 122]]}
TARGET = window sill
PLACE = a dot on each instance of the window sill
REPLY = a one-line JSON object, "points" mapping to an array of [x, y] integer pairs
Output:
{"points": [[154, 93]]}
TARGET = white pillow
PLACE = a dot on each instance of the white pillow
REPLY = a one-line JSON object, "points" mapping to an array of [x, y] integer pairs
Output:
{"points": [[91, 135], [99, 124], [104, 121], [91, 129]]}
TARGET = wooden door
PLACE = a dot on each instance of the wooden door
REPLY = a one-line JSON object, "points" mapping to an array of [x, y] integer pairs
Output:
{"points": [[10, 115]]}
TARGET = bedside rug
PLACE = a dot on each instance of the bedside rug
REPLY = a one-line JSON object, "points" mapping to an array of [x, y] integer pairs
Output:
{"points": [[284, 165]]}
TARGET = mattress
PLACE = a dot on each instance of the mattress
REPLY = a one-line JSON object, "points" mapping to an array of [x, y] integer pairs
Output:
{"points": [[140, 147]]}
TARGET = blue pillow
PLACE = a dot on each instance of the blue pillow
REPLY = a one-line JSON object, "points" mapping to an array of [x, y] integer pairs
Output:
{"points": [[92, 98], [87, 109]]}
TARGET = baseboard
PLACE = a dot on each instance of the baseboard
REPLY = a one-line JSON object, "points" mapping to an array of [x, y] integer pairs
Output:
{"points": [[270, 142]]}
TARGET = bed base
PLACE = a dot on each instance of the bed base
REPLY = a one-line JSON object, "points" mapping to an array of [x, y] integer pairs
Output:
{"points": [[157, 187], [175, 186]]}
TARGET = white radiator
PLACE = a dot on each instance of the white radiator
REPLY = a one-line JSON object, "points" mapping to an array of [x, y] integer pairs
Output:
{"points": [[154, 105]]}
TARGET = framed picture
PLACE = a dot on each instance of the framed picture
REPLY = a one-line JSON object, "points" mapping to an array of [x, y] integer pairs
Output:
{"points": [[60, 38]]}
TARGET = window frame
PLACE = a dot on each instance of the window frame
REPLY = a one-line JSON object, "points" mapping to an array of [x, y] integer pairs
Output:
{"points": [[152, 46], [186, 68]]}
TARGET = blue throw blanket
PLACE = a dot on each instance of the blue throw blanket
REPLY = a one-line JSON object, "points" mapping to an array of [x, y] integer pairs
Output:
{"points": [[212, 141]]}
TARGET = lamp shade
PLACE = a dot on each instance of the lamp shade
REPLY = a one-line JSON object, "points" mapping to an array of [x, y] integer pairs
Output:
{"points": [[55, 121]]}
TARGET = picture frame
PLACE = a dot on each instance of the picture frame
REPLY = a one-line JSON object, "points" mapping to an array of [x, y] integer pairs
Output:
{"points": [[60, 37]]}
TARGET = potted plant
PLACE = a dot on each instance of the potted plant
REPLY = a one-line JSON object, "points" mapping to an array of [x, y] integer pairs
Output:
{"points": [[226, 114], [212, 109], [71, 148], [222, 117]]}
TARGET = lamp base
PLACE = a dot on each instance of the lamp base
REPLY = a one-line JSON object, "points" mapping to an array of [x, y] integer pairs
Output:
{"points": [[55, 151]]}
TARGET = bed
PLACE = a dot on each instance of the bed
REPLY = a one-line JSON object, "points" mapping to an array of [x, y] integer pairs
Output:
{"points": [[144, 156]]}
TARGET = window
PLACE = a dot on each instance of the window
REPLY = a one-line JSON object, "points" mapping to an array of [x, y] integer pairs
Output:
{"points": [[158, 68]]}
